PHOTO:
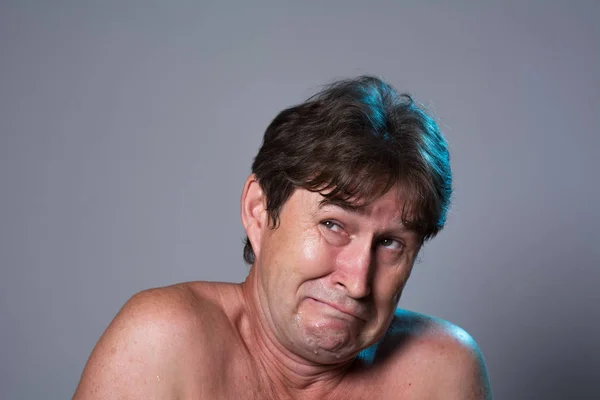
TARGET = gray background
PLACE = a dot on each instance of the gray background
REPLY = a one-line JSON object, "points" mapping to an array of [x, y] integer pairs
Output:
{"points": [[128, 128]]}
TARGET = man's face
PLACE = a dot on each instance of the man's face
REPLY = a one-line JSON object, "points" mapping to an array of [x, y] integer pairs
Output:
{"points": [[330, 277]]}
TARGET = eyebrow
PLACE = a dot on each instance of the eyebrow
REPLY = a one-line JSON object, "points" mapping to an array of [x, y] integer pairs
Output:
{"points": [[358, 209]]}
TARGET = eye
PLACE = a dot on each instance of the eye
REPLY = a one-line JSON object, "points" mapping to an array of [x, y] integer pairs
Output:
{"points": [[332, 226], [391, 244]]}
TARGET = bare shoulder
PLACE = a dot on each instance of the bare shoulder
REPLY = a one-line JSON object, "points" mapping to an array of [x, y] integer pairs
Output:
{"points": [[151, 340], [440, 357]]}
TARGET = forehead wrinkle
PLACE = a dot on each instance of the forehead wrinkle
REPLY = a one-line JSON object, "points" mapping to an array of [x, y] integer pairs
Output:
{"points": [[399, 221]]}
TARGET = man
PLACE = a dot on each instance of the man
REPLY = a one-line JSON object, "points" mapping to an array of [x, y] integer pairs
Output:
{"points": [[343, 192]]}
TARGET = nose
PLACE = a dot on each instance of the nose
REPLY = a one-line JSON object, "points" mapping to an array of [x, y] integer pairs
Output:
{"points": [[354, 270]]}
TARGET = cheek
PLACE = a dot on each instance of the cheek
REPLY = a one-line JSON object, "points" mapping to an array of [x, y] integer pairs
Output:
{"points": [[315, 254], [388, 288], [310, 249], [297, 258]]}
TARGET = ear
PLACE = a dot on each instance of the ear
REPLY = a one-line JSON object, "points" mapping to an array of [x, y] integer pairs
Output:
{"points": [[254, 212]]}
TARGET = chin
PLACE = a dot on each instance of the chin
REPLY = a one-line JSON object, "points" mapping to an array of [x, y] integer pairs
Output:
{"points": [[329, 342]]}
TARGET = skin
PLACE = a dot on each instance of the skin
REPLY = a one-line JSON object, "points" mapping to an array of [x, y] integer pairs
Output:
{"points": [[324, 286]]}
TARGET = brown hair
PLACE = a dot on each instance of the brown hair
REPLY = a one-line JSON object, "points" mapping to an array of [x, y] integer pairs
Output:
{"points": [[352, 142]]}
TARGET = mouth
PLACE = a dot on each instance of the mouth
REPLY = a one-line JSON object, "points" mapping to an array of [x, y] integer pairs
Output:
{"points": [[354, 313]]}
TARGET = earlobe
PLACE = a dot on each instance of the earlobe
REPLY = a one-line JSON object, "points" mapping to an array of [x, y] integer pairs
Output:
{"points": [[253, 211]]}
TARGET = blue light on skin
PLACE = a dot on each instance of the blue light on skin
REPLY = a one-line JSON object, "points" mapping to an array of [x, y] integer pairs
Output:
{"points": [[368, 355]]}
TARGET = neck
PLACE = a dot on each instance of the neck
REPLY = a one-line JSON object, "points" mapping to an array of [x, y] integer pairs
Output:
{"points": [[286, 371]]}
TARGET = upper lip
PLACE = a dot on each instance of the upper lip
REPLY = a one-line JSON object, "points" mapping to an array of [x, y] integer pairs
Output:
{"points": [[354, 312]]}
